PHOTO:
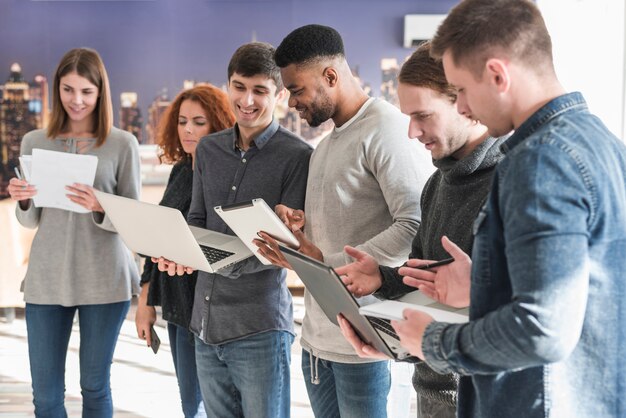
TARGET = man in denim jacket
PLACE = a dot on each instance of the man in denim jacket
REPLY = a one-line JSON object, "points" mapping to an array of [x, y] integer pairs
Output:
{"points": [[546, 336]]}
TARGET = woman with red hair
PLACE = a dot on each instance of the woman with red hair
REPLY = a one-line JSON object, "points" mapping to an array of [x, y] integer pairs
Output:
{"points": [[194, 114]]}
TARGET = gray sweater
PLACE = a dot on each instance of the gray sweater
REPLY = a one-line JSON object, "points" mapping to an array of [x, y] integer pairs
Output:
{"points": [[365, 181], [76, 258], [450, 202]]}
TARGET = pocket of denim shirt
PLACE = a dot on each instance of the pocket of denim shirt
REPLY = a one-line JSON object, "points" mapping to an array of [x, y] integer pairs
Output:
{"points": [[481, 267]]}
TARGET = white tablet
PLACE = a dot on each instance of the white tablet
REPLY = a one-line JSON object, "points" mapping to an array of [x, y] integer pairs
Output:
{"points": [[246, 219]]}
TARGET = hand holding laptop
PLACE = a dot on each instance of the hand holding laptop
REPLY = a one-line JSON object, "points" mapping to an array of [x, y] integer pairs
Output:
{"points": [[172, 269], [411, 330], [362, 349]]}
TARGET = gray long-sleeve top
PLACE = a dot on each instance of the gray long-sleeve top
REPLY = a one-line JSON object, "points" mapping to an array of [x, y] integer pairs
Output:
{"points": [[76, 258], [250, 297], [364, 187]]}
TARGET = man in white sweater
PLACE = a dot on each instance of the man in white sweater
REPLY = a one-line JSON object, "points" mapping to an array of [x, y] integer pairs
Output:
{"points": [[364, 187]]}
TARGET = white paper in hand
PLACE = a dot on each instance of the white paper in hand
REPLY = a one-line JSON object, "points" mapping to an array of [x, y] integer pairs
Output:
{"points": [[26, 162], [52, 171]]}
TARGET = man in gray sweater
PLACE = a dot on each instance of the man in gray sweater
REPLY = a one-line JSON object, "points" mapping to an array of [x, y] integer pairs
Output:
{"points": [[365, 180], [465, 157]]}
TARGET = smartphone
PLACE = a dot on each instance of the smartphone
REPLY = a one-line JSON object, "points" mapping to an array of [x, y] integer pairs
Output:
{"points": [[155, 341], [436, 264]]}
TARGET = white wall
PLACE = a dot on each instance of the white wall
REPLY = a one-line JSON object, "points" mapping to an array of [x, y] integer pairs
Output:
{"points": [[589, 42]]}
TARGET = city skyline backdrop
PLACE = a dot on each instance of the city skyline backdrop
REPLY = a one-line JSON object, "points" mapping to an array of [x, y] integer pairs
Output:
{"points": [[152, 45], [152, 49]]}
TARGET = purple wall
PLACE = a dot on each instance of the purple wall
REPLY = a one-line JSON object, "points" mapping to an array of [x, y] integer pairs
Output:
{"points": [[152, 44]]}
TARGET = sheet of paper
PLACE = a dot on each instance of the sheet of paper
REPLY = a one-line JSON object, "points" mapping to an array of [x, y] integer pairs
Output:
{"points": [[51, 171], [26, 162]]}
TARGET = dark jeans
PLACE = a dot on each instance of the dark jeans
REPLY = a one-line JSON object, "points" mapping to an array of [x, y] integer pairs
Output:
{"points": [[184, 355]]}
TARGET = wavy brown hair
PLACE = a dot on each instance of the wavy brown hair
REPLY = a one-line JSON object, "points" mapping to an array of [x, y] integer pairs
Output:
{"points": [[422, 70], [219, 115], [86, 63]]}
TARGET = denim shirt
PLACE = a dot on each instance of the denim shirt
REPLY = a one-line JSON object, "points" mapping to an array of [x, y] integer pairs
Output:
{"points": [[547, 336]]}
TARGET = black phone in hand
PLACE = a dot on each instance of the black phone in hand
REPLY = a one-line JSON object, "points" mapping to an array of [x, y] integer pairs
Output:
{"points": [[155, 342]]}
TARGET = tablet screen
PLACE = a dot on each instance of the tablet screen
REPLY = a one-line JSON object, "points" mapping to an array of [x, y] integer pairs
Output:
{"points": [[246, 219]]}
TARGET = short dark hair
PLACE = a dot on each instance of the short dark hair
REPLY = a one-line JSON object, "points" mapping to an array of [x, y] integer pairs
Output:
{"points": [[422, 70], [474, 29], [307, 44], [255, 58]]}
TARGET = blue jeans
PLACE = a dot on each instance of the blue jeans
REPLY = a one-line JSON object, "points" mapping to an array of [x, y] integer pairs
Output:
{"points": [[247, 377], [347, 390], [49, 328], [184, 355]]}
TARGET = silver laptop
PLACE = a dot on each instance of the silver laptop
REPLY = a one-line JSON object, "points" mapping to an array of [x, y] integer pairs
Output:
{"points": [[159, 231], [331, 294]]}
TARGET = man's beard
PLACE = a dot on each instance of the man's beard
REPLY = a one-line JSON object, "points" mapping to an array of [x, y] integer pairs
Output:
{"points": [[321, 110]]}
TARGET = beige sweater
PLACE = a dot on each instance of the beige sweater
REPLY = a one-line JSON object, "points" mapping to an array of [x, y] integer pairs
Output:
{"points": [[364, 187]]}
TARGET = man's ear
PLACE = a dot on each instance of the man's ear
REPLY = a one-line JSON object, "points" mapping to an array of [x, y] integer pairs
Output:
{"points": [[330, 76], [497, 71], [280, 95]]}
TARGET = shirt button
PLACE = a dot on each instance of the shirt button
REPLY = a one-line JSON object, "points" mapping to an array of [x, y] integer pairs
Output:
{"points": [[234, 187], [206, 298], [243, 160]]}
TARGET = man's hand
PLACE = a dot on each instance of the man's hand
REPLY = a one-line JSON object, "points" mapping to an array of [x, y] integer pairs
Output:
{"points": [[449, 284], [268, 248], [293, 218], [171, 267], [307, 247], [361, 277], [362, 349], [411, 330]]}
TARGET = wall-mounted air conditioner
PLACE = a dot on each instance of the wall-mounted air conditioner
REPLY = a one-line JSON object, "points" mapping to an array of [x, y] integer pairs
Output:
{"points": [[418, 28]]}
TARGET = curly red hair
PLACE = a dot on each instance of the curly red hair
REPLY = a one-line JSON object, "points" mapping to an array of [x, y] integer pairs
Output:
{"points": [[219, 115]]}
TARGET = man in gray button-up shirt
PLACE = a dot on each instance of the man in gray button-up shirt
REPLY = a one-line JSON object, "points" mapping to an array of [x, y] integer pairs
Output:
{"points": [[243, 315]]}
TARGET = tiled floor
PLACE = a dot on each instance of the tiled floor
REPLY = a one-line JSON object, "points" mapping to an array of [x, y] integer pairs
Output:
{"points": [[143, 384]]}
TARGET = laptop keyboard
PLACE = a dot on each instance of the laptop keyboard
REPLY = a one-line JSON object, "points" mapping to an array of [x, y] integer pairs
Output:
{"points": [[383, 325], [213, 255]]}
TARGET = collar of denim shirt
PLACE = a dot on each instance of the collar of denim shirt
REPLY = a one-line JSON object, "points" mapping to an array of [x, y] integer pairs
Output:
{"points": [[555, 107]]}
